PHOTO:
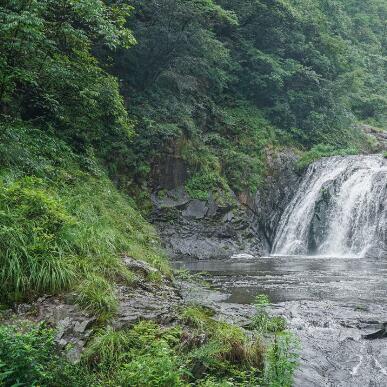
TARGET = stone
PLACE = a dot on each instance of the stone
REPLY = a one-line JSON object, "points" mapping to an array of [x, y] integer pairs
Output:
{"points": [[380, 334], [276, 193], [24, 308], [157, 302], [196, 209], [81, 326], [137, 265], [228, 217], [175, 198], [212, 206], [197, 229]]}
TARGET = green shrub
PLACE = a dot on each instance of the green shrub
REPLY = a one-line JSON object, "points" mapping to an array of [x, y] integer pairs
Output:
{"points": [[281, 356], [28, 357], [226, 348], [262, 321], [281, 360], [197, 316], [202, 183], [158, 366]]}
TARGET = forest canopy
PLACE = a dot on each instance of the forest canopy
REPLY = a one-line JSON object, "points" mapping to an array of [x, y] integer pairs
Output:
{"points": [[211, 81]]}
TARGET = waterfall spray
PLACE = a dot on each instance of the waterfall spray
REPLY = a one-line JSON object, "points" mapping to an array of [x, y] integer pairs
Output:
{"points": [[340, 209]]}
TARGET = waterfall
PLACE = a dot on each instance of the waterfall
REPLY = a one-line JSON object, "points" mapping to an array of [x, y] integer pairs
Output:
{"points": [[340, 209]]}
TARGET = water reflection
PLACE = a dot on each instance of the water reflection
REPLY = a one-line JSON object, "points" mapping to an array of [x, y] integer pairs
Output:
{"points": [[297, 278]]}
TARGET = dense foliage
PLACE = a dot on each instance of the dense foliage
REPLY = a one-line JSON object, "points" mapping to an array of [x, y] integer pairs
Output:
{"points": [[212, 82], [28, 358], [216, 81]]}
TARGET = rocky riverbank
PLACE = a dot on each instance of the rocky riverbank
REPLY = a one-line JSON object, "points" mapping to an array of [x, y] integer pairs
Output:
{"points": [[160, 302]]}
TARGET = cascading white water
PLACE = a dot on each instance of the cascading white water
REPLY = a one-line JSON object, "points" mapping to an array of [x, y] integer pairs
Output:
{"points": [[340, 209]]}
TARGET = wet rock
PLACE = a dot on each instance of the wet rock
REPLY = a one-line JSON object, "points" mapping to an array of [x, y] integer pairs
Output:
{"points": [[175, 198], [220, 226], [212, 206], [242, 256], [196, 209], [207, 229], [380, 334], [278, 189], [228, 217], [194, 293], [319, 224], [158, 302], [73, 325], [24, 308]]}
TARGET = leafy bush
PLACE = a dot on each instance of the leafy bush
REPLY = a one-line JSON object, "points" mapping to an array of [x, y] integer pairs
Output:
{"points": [[28, 357]]}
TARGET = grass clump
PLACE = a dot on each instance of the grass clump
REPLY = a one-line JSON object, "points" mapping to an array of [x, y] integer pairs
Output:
{"points": [[107, 349], [142, 356], [34, 256], [158, 366], [97, 295]]}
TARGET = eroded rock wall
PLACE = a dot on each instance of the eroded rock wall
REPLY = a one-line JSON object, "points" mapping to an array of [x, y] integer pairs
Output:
{"points": [[192, 228]]}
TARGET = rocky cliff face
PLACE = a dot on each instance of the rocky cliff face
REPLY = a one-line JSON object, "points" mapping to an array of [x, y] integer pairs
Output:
{"points": [[219, 229], [204, 229], [279, 187]]}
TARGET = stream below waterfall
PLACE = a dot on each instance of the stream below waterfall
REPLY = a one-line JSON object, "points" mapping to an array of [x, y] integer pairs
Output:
{"points": [[328, 273], [329, 304]]}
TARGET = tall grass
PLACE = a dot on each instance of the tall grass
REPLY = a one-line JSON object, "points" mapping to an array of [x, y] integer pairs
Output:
{"points": [[32, 255]]}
